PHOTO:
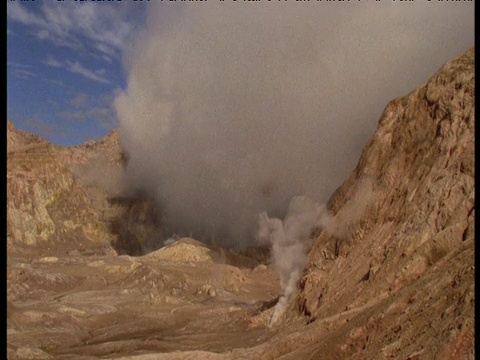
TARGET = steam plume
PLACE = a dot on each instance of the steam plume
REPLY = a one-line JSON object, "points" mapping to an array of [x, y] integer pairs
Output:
{"points": [[233, 108], [291, 240]]}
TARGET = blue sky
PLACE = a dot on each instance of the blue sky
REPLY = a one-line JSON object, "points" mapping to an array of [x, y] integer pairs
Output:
{"points": [[64, 58], [64, 65]]}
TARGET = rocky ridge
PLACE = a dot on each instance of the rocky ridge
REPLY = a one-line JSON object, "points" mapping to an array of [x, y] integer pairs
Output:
{"points": [[72, 198]]}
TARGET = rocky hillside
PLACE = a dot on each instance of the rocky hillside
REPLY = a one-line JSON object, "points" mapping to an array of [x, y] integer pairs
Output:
{"points": [[391, 278], [398, 280], [71, 198]]}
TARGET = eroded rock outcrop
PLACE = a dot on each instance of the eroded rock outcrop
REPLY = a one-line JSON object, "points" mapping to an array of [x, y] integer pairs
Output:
{"points": [[67, 198]]}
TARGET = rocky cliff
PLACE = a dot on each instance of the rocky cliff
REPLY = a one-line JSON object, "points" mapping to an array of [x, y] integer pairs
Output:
{"points": [[71, 198], [398, 278]]}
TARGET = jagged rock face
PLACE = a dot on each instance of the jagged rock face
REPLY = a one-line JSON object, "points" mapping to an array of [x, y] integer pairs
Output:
{"points": [[66, 198], [43, 198], [400, 279]]}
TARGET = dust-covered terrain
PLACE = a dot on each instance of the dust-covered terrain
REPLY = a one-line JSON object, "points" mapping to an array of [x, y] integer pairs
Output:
{"points": [[384, 270]]}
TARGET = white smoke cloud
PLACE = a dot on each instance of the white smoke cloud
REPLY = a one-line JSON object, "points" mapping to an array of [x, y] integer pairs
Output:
{"points": [[292, 238], [291, 241], [233, 108]]}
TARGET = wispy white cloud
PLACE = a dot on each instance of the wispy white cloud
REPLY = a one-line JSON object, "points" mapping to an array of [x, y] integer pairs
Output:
{"points": [[42, 34], [105, 27], [86, 108], [17, 12], [24, 74], [44, 28], [21, 71], [58, 83], [51, 61], [77, 68], [19, 65], [104, 116], [107, 58], [105, 49]]}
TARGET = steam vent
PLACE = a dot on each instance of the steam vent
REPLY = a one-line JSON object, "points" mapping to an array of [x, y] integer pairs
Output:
{"points": [[388, 274]]}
